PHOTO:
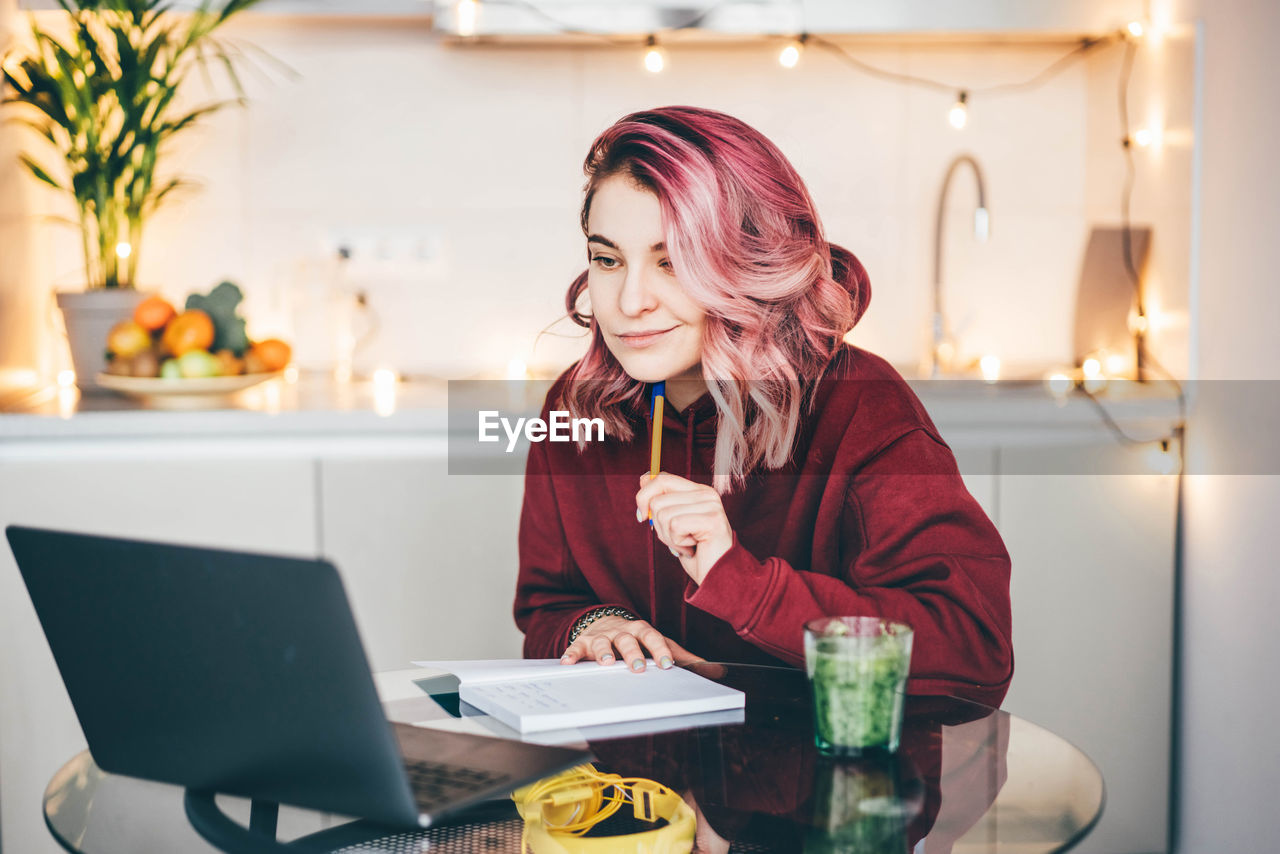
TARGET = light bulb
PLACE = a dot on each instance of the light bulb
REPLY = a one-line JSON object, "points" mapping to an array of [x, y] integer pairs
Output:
{"points": [[1136, 29], [466, 13], [990, 367], [1060, 385], [654, 61], [517, 370], [1145, 137], [66, 379], [1092, 368], [384, 378], [790, 56], [123, 250], [959, 111]]}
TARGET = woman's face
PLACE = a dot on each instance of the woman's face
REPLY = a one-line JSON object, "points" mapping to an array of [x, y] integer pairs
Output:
{"points": [[649, 323]]}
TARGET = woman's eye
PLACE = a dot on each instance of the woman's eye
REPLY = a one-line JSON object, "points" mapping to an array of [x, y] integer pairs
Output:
{"points": [[605, 261], [667, 266]]}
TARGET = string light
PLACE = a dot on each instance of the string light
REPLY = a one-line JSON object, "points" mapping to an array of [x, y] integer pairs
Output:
{"points": [[384, 391], [959, 114], [517, 370], [1136, 29], [1146, 137], [466, 13], [66, 379], [1060, 385], [790, 55], [654, 60], [123, 250], [990, 367]]}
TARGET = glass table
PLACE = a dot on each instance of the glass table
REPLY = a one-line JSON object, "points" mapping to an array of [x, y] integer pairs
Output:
{"points": [[966, 777]]}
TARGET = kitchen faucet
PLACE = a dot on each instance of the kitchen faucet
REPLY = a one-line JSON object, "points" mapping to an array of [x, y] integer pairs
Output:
{"points": [[981, 229]]}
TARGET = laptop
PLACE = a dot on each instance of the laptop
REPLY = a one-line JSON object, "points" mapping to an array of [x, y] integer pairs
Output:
{"points": [[243, 673]]}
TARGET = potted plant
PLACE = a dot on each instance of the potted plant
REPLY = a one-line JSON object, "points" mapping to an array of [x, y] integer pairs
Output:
{"points": [[103, 98]]}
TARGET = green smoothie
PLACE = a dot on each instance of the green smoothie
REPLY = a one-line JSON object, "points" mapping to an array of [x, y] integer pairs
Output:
{"points": [[858, 677]]}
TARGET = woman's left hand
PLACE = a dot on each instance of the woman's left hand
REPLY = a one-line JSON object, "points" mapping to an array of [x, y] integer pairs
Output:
{"points": [[689, 518]]}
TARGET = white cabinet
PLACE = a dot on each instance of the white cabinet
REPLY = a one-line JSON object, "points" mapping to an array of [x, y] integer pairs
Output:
{"points": [[1092, 590], [260, 505], [428, 558]]}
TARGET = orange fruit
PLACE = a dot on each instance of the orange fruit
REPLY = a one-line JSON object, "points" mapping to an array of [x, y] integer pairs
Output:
{"points": [[273, 354], [191, 330], [153, 313]]}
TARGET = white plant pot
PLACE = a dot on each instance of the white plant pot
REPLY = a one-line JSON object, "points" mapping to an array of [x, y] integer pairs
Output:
{"points": [[89, 316]]}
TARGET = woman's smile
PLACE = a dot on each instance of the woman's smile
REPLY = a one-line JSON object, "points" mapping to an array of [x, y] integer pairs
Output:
{"points": [[644, 338]]}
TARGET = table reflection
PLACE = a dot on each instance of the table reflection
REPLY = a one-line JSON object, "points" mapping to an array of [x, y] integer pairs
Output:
{"points": [[764, 785]]}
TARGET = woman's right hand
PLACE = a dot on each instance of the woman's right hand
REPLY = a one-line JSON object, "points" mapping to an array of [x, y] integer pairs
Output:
{"points": [[609, 638]]}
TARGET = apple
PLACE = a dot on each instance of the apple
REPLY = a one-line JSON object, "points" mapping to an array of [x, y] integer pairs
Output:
{"points": [[169, 370], [199, 363], [128, 338]]}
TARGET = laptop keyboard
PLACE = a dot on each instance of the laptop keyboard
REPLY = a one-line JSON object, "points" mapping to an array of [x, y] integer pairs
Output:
{"points": [[437, 782]]}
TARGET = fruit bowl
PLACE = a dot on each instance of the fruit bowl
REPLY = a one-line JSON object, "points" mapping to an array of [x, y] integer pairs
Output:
{"points": [[185, 393]]}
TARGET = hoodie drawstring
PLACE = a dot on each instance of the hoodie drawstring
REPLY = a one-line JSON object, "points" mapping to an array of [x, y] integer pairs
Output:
{"points": [[688, 473]]}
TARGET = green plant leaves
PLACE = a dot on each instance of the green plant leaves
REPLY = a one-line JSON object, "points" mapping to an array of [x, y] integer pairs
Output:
{"points": [[104, 97], [37, 170]]}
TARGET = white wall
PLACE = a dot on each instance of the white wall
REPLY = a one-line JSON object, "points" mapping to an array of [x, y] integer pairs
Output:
{"points": [[1231, 585], [477, 152]]}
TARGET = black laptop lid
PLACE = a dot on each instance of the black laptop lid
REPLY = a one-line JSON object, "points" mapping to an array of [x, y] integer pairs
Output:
{"points": [[233, 672]]}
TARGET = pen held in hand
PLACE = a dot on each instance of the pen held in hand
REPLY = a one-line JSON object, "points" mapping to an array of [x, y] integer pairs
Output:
{"points": [[655, 455]]}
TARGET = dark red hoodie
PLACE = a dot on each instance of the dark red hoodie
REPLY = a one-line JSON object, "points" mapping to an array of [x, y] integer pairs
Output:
{"points": [[869, 518]]}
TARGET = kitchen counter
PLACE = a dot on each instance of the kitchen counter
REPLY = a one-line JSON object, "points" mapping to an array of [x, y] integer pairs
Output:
{"points": [[315, 413], [309, 416]]}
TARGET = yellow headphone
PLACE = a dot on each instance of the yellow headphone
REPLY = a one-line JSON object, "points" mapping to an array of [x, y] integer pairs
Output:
{"points": [[557, 812]]}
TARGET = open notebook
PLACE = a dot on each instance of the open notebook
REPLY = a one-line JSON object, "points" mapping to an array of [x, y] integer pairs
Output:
{"points": [[536, 695]]}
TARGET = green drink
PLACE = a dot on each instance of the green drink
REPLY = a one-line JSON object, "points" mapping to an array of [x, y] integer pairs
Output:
{"points": [[858, 671]]}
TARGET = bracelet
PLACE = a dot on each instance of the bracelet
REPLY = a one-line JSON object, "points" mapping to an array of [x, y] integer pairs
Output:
{"points": [[594, 614]]}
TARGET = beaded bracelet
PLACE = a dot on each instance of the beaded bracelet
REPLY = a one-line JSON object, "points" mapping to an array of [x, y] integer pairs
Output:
{"points": [[595, 614]]}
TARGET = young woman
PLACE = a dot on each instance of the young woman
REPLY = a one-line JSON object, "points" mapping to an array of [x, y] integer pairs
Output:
{"points": [[800, 475]]}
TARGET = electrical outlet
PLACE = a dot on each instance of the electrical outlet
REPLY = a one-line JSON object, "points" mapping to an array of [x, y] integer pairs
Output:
{"points": [[396, 249]]}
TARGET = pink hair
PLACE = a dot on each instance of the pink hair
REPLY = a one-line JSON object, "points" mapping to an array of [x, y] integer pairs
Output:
{"points": [[745, 241]]}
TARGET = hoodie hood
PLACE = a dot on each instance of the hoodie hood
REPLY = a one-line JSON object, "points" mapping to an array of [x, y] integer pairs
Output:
{"points": [[848, 271]]}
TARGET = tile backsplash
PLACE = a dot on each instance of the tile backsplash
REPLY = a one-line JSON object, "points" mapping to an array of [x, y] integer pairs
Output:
{"points": [[453, 174]]}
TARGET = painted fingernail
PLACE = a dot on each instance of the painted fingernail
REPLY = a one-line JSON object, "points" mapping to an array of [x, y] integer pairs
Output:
{"points": [[566, 657], [664, 662], [637, 665], [676, 553], [606, 659], [639, 515]]}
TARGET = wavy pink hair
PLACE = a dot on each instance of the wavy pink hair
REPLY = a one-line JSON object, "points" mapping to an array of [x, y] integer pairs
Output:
{"points": [[745, 241]]}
